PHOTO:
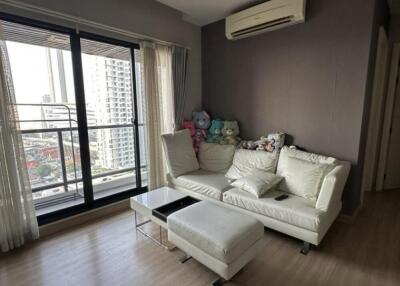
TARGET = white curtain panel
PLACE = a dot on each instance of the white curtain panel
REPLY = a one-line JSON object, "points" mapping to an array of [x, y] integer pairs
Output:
{"points": [[18, 221], [158, 107]]}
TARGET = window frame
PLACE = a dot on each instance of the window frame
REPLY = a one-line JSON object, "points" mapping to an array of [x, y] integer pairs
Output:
{"points": [[75, 38]]}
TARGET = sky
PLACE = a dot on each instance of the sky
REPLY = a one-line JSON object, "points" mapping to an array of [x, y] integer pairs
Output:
{"points": [[30, 72]]}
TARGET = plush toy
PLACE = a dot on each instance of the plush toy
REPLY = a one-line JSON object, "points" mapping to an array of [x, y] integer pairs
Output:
{"points": [[230, 133], [249, 145], [215, 132], [264, 144], [201, 120], [277, 140], [188, 124], [273, 142], [199, 137]]}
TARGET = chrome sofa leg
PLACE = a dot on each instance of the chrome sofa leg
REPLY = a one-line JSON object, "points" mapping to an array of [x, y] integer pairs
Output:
{"points": [[185, 258], [306, 248]]}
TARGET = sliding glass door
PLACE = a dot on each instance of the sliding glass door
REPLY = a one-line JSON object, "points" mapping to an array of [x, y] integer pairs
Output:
{"points": [[82, 128], [108, 81]]}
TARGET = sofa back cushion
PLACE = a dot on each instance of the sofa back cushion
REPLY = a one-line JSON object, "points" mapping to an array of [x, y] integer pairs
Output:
{"points": [[303, 178], [303, 172], [245, 161], [216, 157], [179, 152]]}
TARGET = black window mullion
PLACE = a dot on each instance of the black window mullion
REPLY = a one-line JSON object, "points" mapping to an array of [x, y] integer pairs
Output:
{"points": [[136, 122], [82, 119]]}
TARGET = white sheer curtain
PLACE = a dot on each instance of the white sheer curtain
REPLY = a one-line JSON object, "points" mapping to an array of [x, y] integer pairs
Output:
{"points": [[158, 107], [18, 221]]}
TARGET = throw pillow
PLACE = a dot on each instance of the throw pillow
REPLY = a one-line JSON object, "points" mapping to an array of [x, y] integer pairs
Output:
{"points": [[215, 157], [303, 178], [245, 161], [258, 182], [179, 153]]}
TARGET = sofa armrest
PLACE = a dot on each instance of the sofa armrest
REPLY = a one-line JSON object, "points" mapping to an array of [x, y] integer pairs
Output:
{"points": [[332, 186]]}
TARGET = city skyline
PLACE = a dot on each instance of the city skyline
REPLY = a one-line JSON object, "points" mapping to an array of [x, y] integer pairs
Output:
{"points": [[43, 75]]}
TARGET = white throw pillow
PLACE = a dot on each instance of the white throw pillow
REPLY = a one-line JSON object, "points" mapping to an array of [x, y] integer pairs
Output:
{"points": [[258, 182], [245, 161], [303, 178], [179, 153], [216, 157]]}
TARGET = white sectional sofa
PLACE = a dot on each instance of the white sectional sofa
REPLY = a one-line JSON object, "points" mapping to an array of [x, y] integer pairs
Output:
{"points": [[304, 217]]}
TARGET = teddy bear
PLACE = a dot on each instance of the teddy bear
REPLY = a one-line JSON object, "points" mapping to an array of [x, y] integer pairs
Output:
{"points": [[214, 134], [230, 133], [188, 124], [199, 137], [201, 120]]}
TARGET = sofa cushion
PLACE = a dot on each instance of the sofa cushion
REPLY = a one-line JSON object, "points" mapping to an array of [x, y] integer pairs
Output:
{"points": [[298, 175], [303, 178], [294, 210], [216, 157], [228, 236], [287, 152], [258, 182], [245, 161], [179, 152], [203, 182]]}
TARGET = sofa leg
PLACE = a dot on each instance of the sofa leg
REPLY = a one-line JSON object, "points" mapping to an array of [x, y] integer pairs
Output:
{"points": [[185, 258], [220, 281], [306, 248]]}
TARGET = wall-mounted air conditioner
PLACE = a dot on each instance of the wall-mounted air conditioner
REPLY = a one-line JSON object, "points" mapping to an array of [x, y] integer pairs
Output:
{"points": [[268, 16]]}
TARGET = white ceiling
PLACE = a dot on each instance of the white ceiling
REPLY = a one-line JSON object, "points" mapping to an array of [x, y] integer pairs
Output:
{"points": [[203, 12]]}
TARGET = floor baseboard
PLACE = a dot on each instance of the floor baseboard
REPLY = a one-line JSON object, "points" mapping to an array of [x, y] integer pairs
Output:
{"points": [[83, 218]]}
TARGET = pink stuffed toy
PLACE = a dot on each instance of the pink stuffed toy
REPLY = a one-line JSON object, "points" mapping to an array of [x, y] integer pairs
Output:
{"points": [[188, 124]]}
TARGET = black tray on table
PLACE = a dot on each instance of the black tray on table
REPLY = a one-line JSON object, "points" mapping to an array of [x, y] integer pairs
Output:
{"points": [[164, 211]]}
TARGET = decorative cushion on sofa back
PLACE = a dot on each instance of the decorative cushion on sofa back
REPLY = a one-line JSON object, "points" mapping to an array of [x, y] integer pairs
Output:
{"points": [[303, 172], [245, 161], [216, 157], [307, 156], [179, 153]]}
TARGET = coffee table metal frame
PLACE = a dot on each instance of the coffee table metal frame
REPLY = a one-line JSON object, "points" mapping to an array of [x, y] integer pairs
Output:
{"points": [[145, 203]]}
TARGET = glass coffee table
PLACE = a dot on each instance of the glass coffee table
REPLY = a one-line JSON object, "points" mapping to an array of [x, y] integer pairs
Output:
{"points": [[156, 205]]}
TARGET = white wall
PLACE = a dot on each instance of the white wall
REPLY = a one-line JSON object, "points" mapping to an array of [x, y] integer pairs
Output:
{"points": [[140, 16]]}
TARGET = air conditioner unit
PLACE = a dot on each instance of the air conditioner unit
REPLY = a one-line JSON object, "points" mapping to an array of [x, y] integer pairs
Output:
{"points": [[268, 16]]}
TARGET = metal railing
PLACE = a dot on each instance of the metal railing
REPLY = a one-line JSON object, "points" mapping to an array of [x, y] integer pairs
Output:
{"points": [[60, 144]]}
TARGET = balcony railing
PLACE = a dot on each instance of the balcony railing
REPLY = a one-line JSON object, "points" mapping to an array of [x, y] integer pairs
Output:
{"points": [[66, 181]]}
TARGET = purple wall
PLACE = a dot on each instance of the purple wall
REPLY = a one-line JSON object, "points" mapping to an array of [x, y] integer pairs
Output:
{"points": [[307, 80]]}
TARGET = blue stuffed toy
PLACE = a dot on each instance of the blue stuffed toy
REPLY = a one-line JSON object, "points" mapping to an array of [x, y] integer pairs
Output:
{"points": [[201, 120], [215, 132]]}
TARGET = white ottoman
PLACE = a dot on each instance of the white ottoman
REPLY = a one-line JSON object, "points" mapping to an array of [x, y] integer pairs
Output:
{"points": [[221, 239]]}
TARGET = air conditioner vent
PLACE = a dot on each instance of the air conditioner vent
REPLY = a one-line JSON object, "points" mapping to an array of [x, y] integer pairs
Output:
{"points": [[263, 26]]}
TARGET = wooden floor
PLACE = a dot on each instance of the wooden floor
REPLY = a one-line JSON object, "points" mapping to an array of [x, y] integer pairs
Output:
{"points": [[108, 252]]}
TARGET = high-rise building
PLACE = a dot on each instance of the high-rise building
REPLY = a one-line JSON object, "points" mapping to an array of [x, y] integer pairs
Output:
{"points": [[112, 103]]}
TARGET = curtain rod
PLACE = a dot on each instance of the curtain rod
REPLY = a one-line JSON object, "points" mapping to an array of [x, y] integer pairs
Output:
{"points": [[78, 20]]}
